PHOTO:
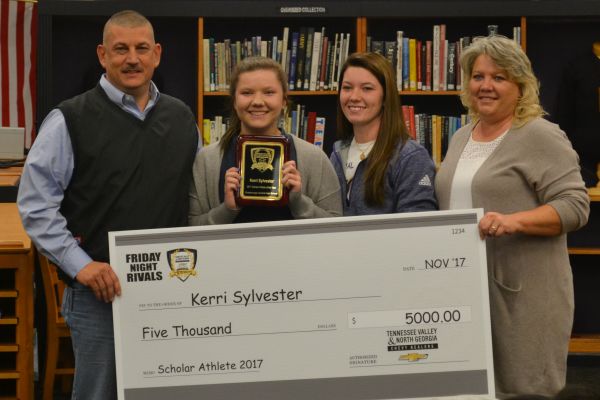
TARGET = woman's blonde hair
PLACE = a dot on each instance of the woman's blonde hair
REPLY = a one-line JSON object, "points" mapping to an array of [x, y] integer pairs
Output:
{"points": [[508, 56], [249, 64]]}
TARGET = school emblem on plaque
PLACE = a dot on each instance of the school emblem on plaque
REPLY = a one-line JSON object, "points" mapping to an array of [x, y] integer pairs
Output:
{"points": [[182, 263], [412, 357], [262, 158]]}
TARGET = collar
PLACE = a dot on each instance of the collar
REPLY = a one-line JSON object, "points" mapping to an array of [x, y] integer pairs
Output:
{"points": [[125, 100]]}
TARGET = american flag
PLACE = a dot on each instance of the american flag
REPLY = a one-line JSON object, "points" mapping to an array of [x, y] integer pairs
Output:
{"points": [[18, 40]]}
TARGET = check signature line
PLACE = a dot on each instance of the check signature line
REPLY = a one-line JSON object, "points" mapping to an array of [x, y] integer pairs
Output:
{"points": [[264, 303], [240, 334]]}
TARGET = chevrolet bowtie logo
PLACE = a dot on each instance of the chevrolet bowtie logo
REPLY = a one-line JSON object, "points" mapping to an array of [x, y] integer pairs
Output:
{"points": [[412, 357]]}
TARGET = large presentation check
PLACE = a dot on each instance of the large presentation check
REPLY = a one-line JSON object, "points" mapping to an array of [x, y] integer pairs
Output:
{"points": [[378, 307]]}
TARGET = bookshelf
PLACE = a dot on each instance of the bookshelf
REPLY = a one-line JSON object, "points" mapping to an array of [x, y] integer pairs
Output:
{"points": [[547, 27], [214, 102], [572, 36], [584, 252]]}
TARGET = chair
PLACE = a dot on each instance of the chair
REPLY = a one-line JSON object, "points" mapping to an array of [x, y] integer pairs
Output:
{"points": [[57, 331]]}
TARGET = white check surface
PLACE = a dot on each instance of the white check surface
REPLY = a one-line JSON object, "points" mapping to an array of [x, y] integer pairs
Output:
{"points": [[376, 307]]}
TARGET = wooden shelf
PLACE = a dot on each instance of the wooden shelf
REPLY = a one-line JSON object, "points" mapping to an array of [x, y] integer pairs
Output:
{"points": [[9, 320], [290, 93], [9, 293], [594, 193], [8, 374], [429, 93], [584, 250], [585, 344], [9, 347], [334, 92]]}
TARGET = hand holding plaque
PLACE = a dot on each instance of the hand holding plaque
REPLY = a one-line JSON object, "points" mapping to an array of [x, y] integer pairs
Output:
{"points": [[260, 161]]}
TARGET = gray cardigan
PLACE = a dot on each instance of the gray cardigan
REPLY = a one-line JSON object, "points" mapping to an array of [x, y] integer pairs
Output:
{"points": [[531, 287], [320, 195]]}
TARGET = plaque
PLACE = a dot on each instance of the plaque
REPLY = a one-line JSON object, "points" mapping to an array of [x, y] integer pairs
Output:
{"points": [[260, 160]]}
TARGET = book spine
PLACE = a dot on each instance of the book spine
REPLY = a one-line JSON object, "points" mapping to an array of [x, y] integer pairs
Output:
{"points": [[423, 65], [220, 68], [444, 67], [284, 48], [324, 58], [344, 38], [377, 47], [274, 48], [412, 57], [298, 120], [411, 119], [435, 62], [399, 43], [320, 58], [428, 72], [443, 57], [293, 129], [218, 129], [319, 132], [390, 50], [206, 132], [293, 60], [328, 67], [346, 48], [406, 117], [459, 47], [264, 47], [334, 62], [314, 68], [227, 62], [405, 64], [451, 76], [310, 126], [213, 82], [310, 35], [428, 133], [301, 58], [206, 65]]}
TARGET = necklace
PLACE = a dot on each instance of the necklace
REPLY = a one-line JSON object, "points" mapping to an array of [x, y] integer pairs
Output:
{"points": [[364, 148]]}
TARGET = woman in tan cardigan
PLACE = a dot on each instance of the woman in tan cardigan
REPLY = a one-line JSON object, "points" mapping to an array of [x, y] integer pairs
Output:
{"points": [[524, 173]]}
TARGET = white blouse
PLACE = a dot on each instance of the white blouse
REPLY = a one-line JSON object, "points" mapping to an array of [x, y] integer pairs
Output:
{"points": [[473, 156]]}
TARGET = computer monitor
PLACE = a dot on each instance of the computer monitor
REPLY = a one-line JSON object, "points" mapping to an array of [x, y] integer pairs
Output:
{"points": [[12, 143]]}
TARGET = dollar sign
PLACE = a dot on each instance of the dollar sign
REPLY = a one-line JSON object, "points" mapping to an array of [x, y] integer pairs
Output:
{"points": [[353, 320]]}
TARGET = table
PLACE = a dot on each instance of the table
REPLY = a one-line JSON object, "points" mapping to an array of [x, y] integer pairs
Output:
{"points": [[16, 302]]}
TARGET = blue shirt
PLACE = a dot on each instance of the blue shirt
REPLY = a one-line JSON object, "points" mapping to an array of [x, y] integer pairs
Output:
{"points": [[47, 173]]}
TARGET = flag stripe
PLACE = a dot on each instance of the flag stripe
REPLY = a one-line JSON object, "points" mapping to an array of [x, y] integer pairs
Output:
{"points": [[30, 29], [20, 63], [12, 63], [4, 62], [18, 35]]}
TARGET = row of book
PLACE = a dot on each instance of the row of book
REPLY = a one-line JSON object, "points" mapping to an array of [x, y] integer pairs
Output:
{"points": [[298, 122], [424, 128], [430, 65], [306, 125], [213, 130], [310, 58]]}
